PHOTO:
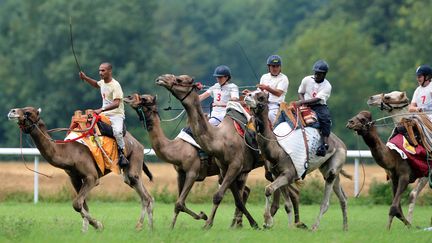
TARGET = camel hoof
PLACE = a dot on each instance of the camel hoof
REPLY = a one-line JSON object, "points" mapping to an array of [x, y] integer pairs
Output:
{"points": [[300, 225], [139, 226], [202, 215], [314, 228], [99, 226], [207, 226], [267, 226]]}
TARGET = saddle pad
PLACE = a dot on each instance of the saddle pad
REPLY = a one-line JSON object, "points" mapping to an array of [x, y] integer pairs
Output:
{"points": [[238, 107], [108, 144], [293, 144], [187, 138], [416, 156]]}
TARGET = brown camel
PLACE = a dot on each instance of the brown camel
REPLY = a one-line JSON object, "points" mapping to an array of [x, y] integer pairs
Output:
{"points": [[234, 158], [78, 162], [397, 169], [178, 152], [282, 166], [396, 105], [186, 160]]}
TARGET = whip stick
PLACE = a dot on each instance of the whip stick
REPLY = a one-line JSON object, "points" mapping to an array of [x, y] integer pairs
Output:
{"points": [[72, 45], [247, 59]]}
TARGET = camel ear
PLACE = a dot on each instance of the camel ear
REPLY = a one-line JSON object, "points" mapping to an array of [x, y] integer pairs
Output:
{"points": [[154, 98], [39, 110]]}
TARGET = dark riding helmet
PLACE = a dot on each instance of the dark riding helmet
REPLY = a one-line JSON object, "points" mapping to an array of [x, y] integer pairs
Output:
{"points": [[222, 71], [320, 66], [424, 70], [274, 60]]}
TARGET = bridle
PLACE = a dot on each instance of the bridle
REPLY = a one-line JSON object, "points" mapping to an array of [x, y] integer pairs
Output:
{"points": [[194, 87], [390, 106], [144, 117], [28, 125]]}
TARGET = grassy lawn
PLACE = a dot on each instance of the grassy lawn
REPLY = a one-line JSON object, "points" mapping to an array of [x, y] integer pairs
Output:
{"points": [[58, 222]]}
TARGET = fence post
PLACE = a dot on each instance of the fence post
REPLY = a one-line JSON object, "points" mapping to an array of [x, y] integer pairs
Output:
{"points": [[356, 176], [36, 180]]}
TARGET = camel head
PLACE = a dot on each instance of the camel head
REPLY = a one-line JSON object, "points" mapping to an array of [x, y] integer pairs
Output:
{"points": [[26, 117], [137, 101], [361, 123], [180, 86], [257, 101], [389, 101]]}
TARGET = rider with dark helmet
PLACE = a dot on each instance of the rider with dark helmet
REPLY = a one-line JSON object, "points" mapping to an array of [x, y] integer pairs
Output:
{"points": [[314, 91], [422, 98], [222, 92]]}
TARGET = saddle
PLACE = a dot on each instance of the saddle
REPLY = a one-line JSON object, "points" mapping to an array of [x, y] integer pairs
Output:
{"points": [[417, 129], [103, 127], [292, 114]]}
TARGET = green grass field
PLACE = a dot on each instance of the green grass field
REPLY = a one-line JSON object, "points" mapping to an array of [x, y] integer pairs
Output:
{"points": [[58, 222]]}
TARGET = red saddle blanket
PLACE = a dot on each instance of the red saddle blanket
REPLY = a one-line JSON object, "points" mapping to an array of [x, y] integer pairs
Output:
{"points": [[416, 155]]}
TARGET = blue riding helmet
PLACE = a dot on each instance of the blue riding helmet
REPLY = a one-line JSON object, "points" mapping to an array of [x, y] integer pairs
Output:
{"points": [[424, 70], [274, 60], [320, 66], [222, 71]]}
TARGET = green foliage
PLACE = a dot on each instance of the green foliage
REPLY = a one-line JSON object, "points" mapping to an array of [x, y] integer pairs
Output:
{"points": [[372, 46]]}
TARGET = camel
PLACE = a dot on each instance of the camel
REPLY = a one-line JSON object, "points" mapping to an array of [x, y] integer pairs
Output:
{"points": [[78, 162], [397, 169], [178, 152], [282, 166], [233, 157], [396, 105], [187, 162]]}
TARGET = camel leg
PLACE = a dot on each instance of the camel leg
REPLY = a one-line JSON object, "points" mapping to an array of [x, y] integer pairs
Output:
{"points": [[398, 187], [275, 204], [293, 193], [185, 183], [337, 188], [79, 203], [230, 175], [413, 196], [240, 205], [244, 193], [288, 205], [283, 179], [330, 179]]}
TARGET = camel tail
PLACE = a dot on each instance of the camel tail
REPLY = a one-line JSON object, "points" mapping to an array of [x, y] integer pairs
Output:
{"points": [[346, 174], [147, 171]]}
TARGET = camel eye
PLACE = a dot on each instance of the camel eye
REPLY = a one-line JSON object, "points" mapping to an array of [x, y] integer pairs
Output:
{"points": [[178, 80]]}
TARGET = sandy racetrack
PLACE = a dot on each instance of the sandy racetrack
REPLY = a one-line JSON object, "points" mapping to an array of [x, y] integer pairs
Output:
{"points": [[15, 177]]}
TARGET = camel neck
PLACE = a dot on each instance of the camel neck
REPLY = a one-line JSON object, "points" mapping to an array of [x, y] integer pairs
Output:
{"points": [[266, 139], [379, 150], [157, 136], [43, 141]]}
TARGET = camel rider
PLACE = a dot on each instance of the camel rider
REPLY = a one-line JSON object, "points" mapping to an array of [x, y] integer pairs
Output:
{"points": [[222, 92], [112, 105], [422, 98], [275, 84], [314, 92]]}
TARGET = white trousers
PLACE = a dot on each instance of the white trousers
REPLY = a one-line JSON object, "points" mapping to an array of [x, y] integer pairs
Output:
{"points": [[273, 111], [216, 117], [117, 126]]}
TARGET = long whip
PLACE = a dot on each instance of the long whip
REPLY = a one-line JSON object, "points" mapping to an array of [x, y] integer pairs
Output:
{"points": [[72, 44], [247, 59]]}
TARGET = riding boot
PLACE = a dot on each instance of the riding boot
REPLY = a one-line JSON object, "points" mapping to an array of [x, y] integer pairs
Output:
{"points": [[322, 150], [123, 161]]}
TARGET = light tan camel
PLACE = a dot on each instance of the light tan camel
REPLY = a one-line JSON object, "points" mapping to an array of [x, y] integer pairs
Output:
{"points": [[234, 158], [178, 152], [396, 105], [186, 161], [397, 169], [283, 167], [78, 162]]}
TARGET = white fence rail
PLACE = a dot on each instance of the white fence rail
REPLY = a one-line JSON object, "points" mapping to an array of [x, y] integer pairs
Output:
{"points": [[356, 154]]}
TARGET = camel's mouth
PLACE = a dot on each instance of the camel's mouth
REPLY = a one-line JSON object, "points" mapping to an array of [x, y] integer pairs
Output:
{"points": [[250, 101], [373, 100], [12, 115], [163, 80]]}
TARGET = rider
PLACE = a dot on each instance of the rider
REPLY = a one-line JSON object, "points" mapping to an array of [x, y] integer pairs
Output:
{"points": [[112, 104], [222, 92], [314, 91], [422, 98], [275, 84]]}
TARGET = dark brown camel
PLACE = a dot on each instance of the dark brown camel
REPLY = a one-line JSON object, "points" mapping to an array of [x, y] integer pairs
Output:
{"points": [[178, 152], [234, 158], [78, 162], [282, 166], [396, 105], [397, 169]]}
